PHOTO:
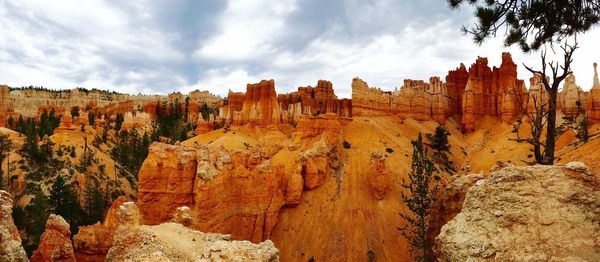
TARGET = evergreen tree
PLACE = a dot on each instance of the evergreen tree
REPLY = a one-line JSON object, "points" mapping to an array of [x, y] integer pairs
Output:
{"points": [[95, 204], [438, 142], [36, 213], [422, 187], [119, 121], [64, 202], [5, 147]]}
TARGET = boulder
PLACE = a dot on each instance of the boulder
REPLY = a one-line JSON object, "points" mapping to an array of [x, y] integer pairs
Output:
{"points": [[533, 213]]}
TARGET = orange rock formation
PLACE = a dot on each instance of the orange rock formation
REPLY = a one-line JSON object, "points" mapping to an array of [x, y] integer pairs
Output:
{"points": [[571, 98], [378, 178], [592, 102], [93, 242], [55, 242]]}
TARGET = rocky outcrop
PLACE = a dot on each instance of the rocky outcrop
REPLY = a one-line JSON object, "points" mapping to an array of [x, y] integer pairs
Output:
{"points": [[182, 216], [92, 242], [450, 200], [378, 178], [545, 213], [317, 100], [456, 81], [174, 242], [316, 163], [232, 193], [330, 125], [415, 99], [55, 242], [592, 102], [488, 89], [134, 120], [204, 126], [571, 98], [10, 241]]}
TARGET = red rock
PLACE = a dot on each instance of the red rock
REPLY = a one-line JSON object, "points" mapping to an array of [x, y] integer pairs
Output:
{"points": [[55, 242], [456, 81]]}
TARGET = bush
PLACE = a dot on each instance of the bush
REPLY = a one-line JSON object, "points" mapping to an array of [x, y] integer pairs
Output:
{"points": [[346, 144], [389, 150]]}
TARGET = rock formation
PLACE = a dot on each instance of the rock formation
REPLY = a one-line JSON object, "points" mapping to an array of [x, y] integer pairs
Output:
{"points": [[10, 241], [378, 178], [236, 194], [416, 99], [204, 126], [315, 164], [320, 99], [93, 242], [544, 213], [487, 90], [592, 102], [182, 216], [571, 98], [456, 81], [55, 242], [174, 242]]}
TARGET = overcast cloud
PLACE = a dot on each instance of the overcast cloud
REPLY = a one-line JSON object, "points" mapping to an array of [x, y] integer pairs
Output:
{"points": [[163, 46]]}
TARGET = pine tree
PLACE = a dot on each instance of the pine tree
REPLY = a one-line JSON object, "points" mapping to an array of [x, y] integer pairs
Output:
{"points": [[5, 146], [64, 202], [422, 189], [438, 142], [95, 204], [36, 213]]}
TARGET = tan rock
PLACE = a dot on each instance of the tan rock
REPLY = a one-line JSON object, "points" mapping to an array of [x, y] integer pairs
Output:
{"points": [[174, 242], [545, 213], [571, 95], [10, 241], [182, 216], [592, 102]]}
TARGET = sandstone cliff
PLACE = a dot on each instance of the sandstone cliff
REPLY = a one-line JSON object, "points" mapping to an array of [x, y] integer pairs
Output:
{"points": [[10, 241], [545, 213], [571, 98]]}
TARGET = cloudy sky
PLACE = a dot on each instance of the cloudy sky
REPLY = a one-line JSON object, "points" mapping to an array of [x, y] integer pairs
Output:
{"points": [[162, 46]]}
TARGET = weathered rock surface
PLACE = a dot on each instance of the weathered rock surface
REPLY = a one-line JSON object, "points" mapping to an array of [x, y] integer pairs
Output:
{"points": [[317, 100], [592, 102], [537, 213], [93, 242], [378, 178], [571, 98], [10, 241], [174, 242], [55, 243], [236, 194]]}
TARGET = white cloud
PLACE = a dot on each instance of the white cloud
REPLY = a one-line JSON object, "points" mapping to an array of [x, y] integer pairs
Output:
{"points": [[248, 30]]}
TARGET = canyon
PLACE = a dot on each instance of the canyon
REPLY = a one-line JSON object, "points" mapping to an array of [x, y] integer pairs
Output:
{"points": [[306, 174]]}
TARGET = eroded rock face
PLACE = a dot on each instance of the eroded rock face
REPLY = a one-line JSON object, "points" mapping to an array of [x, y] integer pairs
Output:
{"points": [[236, 194], [10, 241], [174, 242], [317, 100], [55, 242], [571, 98], [456, 81], [378, 178], [592, 102], [93, 242], [488, 89], [536, 213]]}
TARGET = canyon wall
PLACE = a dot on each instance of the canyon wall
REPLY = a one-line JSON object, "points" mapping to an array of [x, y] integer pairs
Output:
{"points": [[260, 105]]}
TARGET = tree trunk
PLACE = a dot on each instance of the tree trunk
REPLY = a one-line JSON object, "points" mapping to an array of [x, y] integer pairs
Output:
{"points": [[551, 125]]}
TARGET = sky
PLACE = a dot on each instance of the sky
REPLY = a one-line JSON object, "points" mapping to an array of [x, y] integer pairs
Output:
{"points": [[164, 46]]}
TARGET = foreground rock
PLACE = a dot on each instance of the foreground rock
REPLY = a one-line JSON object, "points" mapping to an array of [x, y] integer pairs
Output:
{"points": [[10, 242], [175, 242], [538, 213], [55, 242], [93, 242]]}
